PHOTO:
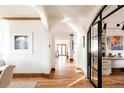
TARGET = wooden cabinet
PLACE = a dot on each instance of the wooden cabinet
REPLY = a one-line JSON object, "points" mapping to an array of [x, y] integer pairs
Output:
{"points": [[106, 67]]}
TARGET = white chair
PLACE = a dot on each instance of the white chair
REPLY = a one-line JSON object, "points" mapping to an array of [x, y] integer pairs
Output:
{"points": [[6, 76], [2, 63]]}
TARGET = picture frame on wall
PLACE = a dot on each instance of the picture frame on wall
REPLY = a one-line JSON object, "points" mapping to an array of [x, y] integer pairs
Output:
{"points": [[21, 43], [83, 41]]}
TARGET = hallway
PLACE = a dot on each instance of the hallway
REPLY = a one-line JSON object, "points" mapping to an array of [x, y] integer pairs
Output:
{"points": [[66, 75]]}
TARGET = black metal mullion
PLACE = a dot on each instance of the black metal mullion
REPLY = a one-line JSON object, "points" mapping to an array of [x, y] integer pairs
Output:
{"points": [[98, 14], [99, 54], [88, 56], [112, 12]]}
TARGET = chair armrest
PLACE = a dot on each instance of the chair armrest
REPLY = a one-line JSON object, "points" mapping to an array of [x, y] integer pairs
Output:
{"points": [[2, 68]]}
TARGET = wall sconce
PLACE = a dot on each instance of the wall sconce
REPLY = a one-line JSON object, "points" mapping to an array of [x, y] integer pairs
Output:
{"points": [[122, 24], [105, 25], [123, 27], [118, 25]]}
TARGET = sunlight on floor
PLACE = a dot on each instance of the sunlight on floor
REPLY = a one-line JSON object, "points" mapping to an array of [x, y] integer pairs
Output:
{"points": [[83, 77]]}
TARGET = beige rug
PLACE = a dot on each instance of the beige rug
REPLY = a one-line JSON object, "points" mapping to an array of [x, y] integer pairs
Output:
{"points": [[22, 84]]}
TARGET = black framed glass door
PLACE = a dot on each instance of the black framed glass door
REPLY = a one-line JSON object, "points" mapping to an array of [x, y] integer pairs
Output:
{"points": [[95, 55], [94, 44]]}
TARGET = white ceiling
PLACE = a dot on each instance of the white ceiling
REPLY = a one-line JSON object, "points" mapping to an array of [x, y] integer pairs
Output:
{"points": [[62, 31], [17, 11], [78, 13], [53, 11], [74, 11]]}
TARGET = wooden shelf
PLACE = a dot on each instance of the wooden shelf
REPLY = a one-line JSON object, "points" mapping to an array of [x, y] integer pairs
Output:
{"points": [[113, 58]]}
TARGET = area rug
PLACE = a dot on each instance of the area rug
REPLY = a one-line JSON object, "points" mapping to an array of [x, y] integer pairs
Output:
{"points": [[22, 84]]}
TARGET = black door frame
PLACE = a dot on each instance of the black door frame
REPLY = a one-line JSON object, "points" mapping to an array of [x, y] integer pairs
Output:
{"points": [[99, 22], [89, 67]]}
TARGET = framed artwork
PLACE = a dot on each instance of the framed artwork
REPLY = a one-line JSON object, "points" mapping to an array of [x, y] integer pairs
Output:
{"points": [[115, 42], [83, 41], [22, 43]]}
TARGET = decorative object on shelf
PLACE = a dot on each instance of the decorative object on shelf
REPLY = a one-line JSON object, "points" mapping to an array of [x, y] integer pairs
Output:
{"points": [[21, 43], [110, 55], [103, 54], [114, 55], [119, 55]]}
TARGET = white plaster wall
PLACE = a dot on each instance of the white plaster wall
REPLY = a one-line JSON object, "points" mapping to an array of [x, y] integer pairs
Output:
{"points": [[81, 53], [38, 61], [52, 50]]}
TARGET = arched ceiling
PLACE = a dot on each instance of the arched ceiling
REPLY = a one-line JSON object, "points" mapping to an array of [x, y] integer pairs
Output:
{"points": [[80, 15], [72, 11], [62, 31], [76, 14]]}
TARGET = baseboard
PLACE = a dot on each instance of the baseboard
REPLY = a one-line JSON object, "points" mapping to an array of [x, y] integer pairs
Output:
{"points": [[81, 70], [117, 70], [31, 75]]}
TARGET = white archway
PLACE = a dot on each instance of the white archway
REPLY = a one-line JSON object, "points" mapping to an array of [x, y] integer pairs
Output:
{"points": [[77, 30]]}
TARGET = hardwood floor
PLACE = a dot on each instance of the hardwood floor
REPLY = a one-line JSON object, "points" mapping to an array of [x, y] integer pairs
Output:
{"points": [[115, 80], [65, 76]]}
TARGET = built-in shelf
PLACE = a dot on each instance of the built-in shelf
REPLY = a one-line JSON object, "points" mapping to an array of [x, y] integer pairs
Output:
{"points": [[113, 58], [103, 43]]}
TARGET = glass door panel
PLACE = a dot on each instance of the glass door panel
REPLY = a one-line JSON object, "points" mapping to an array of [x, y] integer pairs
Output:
{"points": [[94, 53], [64, 49], [59, 49]]}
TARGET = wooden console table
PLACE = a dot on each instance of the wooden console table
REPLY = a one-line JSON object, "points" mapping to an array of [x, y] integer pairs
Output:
{"points": [[106, 64]]}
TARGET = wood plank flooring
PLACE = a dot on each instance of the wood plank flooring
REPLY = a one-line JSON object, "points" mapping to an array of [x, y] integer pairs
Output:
{"points": [[65, 76], [115, 80]]}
